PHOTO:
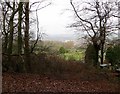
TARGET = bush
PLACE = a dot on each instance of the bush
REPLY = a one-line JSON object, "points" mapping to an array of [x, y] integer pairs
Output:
{"points": [[90, 55], [113, 55], [16, 64], [62, 50]]}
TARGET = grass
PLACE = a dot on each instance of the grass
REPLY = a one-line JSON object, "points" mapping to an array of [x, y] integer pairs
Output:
{"points": [[73, 55]]}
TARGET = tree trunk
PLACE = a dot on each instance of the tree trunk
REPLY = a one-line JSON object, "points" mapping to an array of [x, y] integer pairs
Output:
{"points": [[26, 37], [103, 44], [6, 34], [19, 28], [102, 53], [5, 43], [96, 47], [10, 45]]}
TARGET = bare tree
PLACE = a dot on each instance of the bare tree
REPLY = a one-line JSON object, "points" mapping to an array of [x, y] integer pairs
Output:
{"points": [[4, 31], [11, 25], [16, 26], [38, 35], [96, 18], [26, 36], [35, 10], [20, 20]]}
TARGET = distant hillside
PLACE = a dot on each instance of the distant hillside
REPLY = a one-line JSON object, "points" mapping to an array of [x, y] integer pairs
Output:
{"points": [[60, 37]]}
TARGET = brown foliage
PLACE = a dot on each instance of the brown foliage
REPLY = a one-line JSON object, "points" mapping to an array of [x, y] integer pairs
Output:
{"points": [[38, 83]]}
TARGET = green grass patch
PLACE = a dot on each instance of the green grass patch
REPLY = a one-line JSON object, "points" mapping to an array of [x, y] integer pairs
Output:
{"points": [[74, 55]]}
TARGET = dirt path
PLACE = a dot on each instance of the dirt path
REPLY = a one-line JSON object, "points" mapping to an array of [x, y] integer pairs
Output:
{"points": [[37, 83]]}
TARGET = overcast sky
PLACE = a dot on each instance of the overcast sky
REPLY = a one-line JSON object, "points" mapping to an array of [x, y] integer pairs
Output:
{"points": [[54, 18]]}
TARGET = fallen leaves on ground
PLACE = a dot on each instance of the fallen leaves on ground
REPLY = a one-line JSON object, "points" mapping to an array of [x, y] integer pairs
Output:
{"points": [[18, 82]]}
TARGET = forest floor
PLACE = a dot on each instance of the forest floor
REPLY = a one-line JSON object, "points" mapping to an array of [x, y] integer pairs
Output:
{"points": [[21, 82]]}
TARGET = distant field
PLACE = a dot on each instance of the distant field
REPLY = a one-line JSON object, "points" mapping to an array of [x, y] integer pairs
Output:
{"points": [[74, 55]]}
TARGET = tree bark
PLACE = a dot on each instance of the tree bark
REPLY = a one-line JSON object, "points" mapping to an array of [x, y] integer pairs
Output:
{"points": [[20, 28], [10, 45], [5, 43], [96, 47], [26, 37], [4, 31], [103, 47]]}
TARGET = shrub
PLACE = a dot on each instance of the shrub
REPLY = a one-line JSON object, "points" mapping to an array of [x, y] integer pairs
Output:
{"points": [[62, 50], [113, 55], [15, 64], [90, 55]]}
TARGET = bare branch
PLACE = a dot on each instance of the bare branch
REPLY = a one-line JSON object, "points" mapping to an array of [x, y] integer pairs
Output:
{"points": [[8, 4], [38, 36], [40, 7], [81, 18]]}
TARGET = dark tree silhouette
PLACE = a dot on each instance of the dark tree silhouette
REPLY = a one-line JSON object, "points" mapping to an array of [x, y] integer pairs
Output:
{"points": [[98, 24]]}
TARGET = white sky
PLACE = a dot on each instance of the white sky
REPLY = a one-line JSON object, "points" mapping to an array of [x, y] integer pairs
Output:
{"points": [[54, 18]]}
